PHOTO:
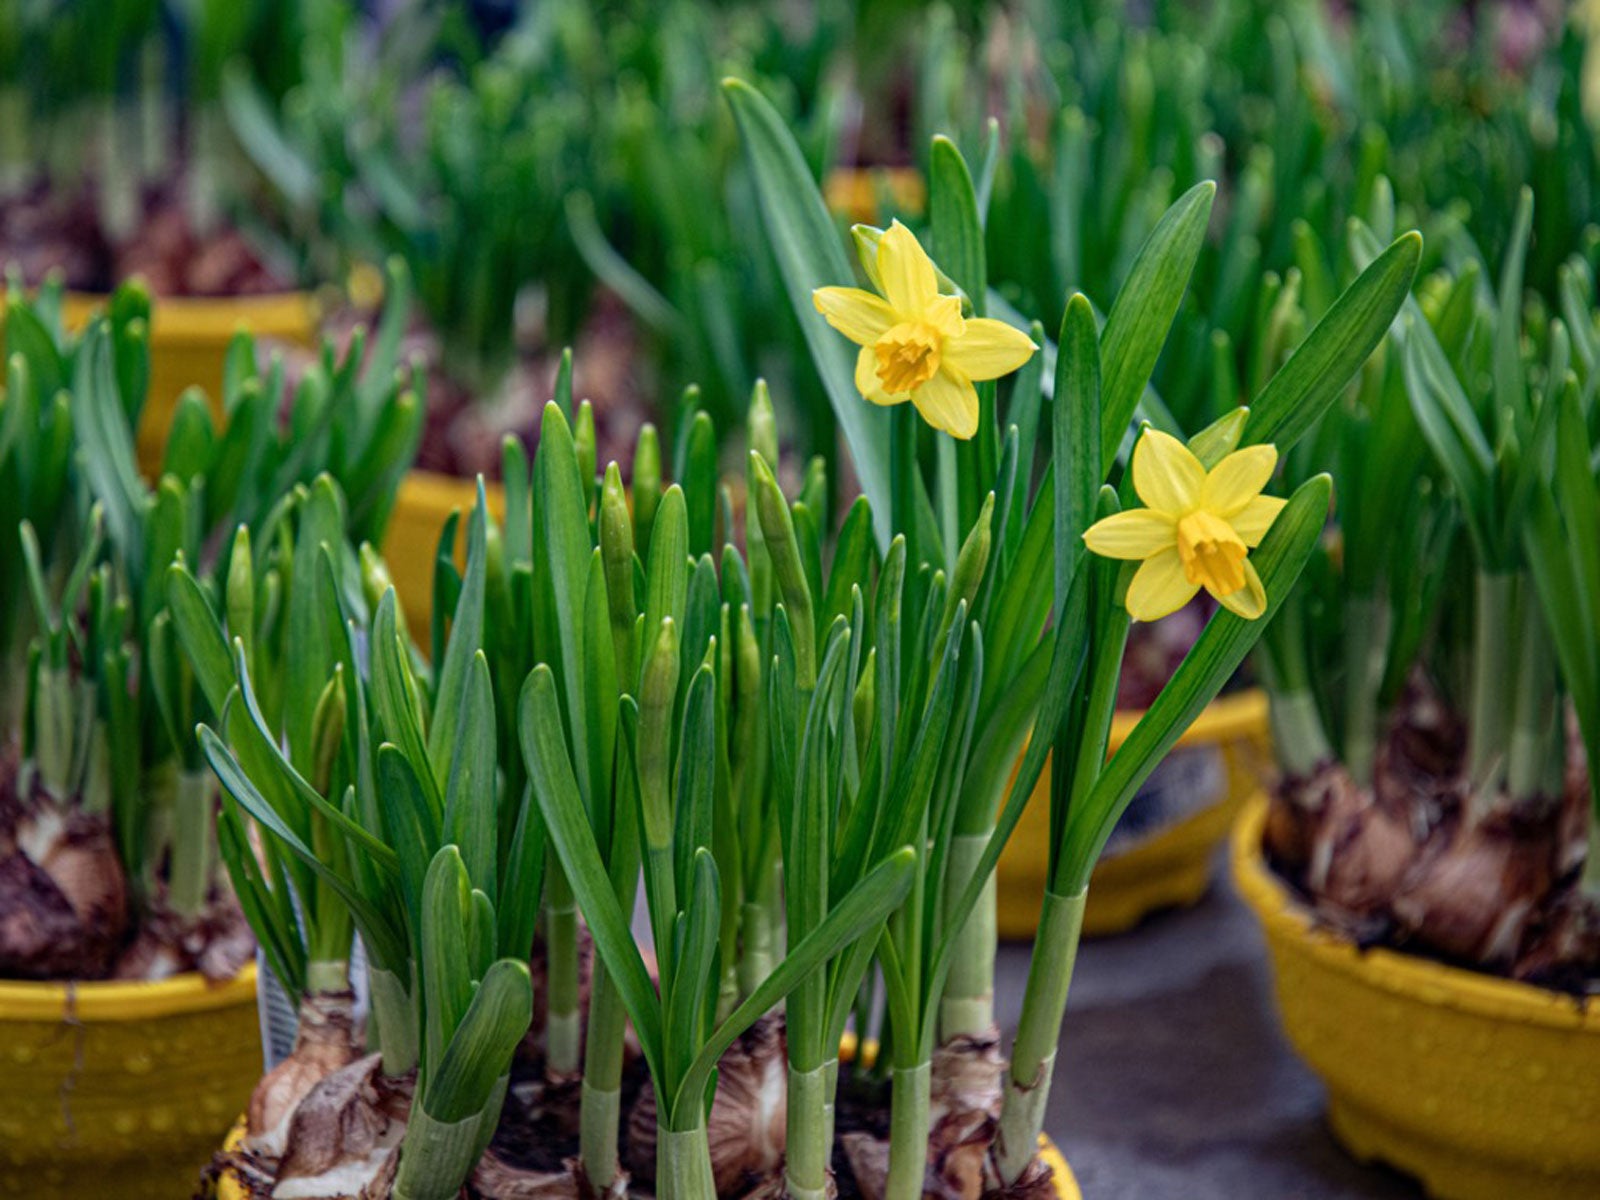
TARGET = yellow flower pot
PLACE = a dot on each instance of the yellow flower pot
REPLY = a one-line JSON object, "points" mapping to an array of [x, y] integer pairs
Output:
{"points": [[1168, 868], [229, 1188], [854, 192], [189, 339], [121, 1089], [1482, 1088], [411, 541]]}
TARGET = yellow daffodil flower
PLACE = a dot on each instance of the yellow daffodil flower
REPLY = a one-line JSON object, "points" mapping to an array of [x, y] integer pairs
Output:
{"points": [[915, 344], [1196, 529]]}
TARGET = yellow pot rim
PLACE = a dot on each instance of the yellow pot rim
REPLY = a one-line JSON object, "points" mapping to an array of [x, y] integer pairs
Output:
{"points": [[1239, 715], [1282, 914], [291, 314], [1066, 1183], [22, 1000]]}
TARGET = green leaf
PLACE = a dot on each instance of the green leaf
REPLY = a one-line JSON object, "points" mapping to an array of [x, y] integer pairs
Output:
{"points": [[479, 1054], [1136, 328], [466, 642], [472, 810], [445, 964], [1303, 388], [556, 789], [806, 244]]}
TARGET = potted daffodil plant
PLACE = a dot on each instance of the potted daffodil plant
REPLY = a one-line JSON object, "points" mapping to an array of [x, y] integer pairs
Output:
{"points": [[798, 735]]}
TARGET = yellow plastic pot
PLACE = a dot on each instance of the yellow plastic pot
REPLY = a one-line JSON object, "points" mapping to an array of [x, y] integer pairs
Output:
{"points": [[1066, 1184], [1482, 1088], [1171, 867], [189, 339], [854, 192], [411, 541], [121, 1089]]}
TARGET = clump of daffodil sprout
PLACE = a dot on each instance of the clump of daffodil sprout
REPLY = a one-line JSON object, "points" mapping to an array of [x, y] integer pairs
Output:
{"points": [[378, 808], [1193, 514], [1430, 798], [70, 408]]}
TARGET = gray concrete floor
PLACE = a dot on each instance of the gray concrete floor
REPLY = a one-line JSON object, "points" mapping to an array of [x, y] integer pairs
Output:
{"points": [[1174, 1079]]}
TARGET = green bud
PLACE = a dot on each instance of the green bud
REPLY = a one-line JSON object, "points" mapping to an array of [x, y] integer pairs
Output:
{"points": [[646, 487], [657, 697], [784, 548], [583, 438], [971, 563], [327, 732], [616, 558], [241, 597]]}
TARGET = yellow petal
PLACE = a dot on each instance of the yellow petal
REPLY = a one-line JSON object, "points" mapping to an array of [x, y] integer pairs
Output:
{"points": [[1253, 520], [948, 402], [1166, 475], [1159, 587], [1238, 479], [1137, 533], [907, 272], [859, 315], [1250, 601], [988, 349], [867, 381]]}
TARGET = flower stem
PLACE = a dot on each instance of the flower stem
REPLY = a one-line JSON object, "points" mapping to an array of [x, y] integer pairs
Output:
{"points": [[1535, 712], [755, 940], [1033, 1053], [909, 1124], [968, 1002], [683, 1165]]}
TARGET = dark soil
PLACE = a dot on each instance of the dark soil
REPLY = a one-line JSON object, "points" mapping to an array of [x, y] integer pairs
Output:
{"points": [[42, 231]]}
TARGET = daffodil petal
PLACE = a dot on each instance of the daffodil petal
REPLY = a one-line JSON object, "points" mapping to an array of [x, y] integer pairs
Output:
{"points": [[988, 349], [1238, 479], [868, 383], [1137, 533], [1250, 601], [1253, 520], [948, 402], [1167, 476], [944, 314], [1159, 587], [907, 272], [859, 315]]}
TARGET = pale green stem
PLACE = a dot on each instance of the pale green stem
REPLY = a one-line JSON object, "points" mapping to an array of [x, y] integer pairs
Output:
{"points": [[206, 169], [1297, 732], [117, 193], [1491, 648], [154, 125], [189, 870], [1536, 711], [910, 1119], [967, 1006], [1366, 644], [830, 1092], [53, 736], [600, 1108], [328, 976], [683, 1165], [807, 1134], [1033, 1053]]}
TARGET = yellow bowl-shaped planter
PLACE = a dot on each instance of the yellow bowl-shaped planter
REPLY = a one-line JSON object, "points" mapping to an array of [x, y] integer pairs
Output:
{"points": [[189, 337], [1220, 756], [421, 506], [855, 193], [121, 1089], [1482, 1088], [229, 1188]]}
